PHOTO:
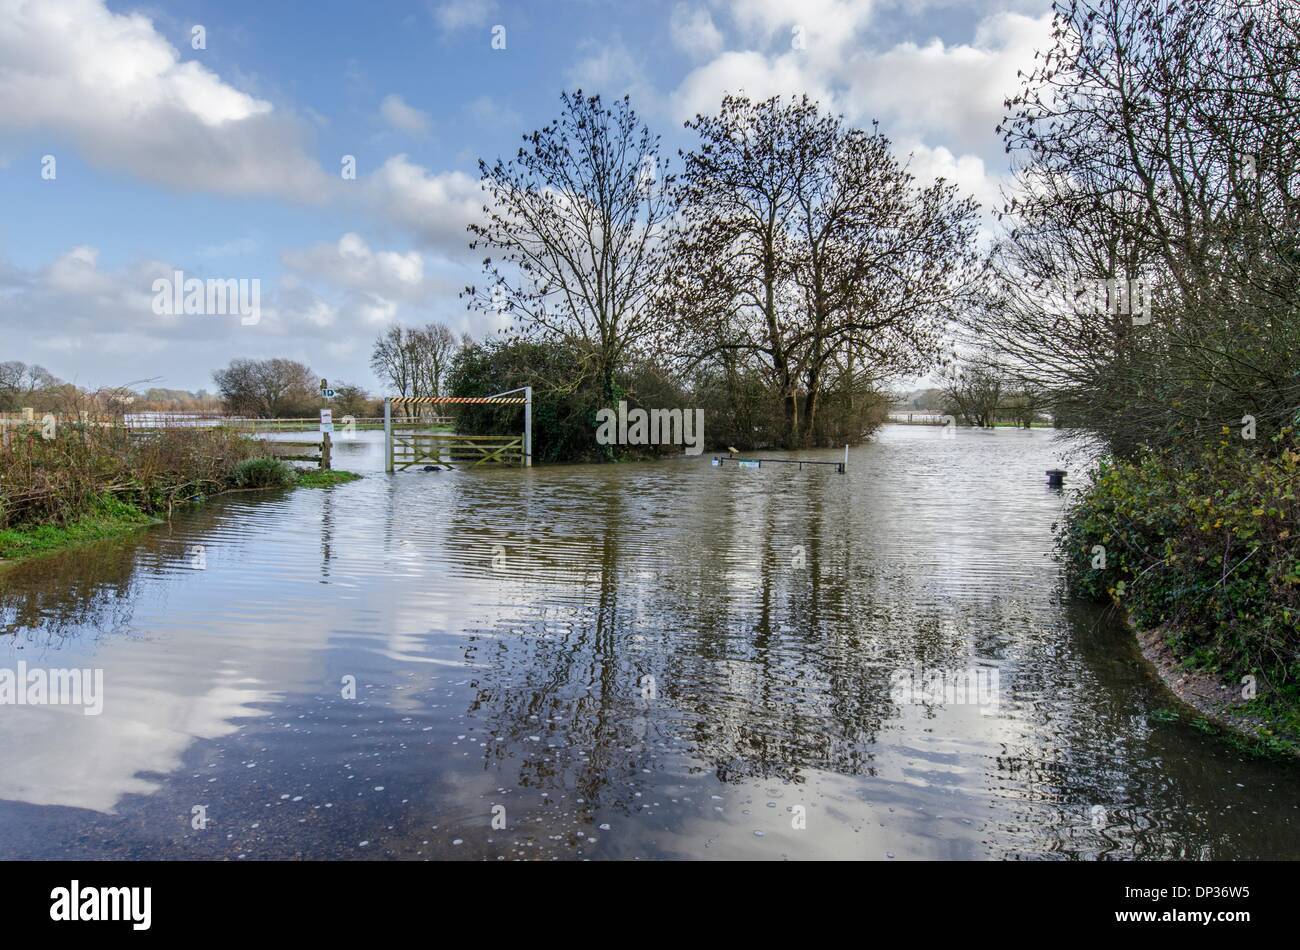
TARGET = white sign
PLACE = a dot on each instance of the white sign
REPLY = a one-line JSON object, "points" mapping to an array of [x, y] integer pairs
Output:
{"points": [[327, 420]]}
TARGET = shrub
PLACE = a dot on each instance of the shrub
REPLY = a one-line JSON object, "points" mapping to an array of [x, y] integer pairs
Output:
{"points": [[564, 406], [263, 472], [56, 480], [1207, 549], [739, 408]]}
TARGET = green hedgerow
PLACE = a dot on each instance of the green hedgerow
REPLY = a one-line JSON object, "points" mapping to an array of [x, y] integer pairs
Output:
{"points": [[1208, 549]]}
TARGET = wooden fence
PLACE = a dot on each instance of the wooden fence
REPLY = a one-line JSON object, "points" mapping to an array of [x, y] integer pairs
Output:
{"points": [[183, 420], [324, 449], [323, 456], [323, 445], [297, 425]]}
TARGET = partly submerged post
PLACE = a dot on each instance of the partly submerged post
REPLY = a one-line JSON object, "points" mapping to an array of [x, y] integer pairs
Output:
{"points": [[846, 458], [528, 426], [388, 434], [528, 419]]}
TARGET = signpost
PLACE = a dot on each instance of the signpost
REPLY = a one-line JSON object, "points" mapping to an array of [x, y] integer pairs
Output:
{"points": [[327, 420]]}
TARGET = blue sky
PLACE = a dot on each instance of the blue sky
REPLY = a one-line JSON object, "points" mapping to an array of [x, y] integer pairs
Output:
{"points": [[224, 162]]}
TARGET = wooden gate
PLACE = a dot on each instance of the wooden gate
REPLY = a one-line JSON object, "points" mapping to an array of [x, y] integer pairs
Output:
{"points": [[414, 443], [417, 448]]}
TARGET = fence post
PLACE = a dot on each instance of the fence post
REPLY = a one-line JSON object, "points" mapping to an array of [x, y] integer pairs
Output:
{"points": [[528, 427], [325, 452], [388, 434]]}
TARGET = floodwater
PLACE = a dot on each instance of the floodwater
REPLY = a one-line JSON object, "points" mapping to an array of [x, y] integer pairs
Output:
{"points": [[665, 660]]}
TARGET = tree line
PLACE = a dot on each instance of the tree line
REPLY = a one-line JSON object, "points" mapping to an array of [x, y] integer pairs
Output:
{"points": [[781, 278], [786, 269], [780, 274], [1145, 285]]}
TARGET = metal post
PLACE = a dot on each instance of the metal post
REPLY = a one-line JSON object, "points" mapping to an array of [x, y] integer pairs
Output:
{"points": [[528, 419], [388, 434], [528, 426]]}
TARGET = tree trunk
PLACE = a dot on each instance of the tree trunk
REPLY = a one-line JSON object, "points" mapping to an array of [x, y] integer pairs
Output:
{"points": [[791, 418], [809, 436]]}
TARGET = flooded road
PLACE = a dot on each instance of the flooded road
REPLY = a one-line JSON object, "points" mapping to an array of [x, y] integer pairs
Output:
{"points": [[665, 660]]}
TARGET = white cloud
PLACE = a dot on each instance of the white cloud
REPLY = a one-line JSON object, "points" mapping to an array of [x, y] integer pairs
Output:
{"points": [[967, 172], [611, 69], [307, 312], [938, 102], [459, 14], [693, 31], [493, 114], [76, 272], [119, 91], [435, 208], [72, 314], [952, 91], [350, 263], [370, 287], [751, 73], [403, 117], [821, 24], [933, 91], [302, 305]]}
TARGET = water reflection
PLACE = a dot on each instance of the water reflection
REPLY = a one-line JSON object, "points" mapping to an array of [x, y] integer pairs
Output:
{"points": [[64, 597], [667, 660]]}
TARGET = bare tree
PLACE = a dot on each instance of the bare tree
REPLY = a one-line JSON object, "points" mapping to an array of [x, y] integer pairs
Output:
{"points": [[577, 218], [882, 264], [413, 361], [392, 360], [1158, 143], [806, 248], [732, 291], [432, 347], [268, 388], [973, 390], [19, 382]]}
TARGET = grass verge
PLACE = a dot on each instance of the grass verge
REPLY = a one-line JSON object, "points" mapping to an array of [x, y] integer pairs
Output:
{"points": [[315, 478], [109, 518]]}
